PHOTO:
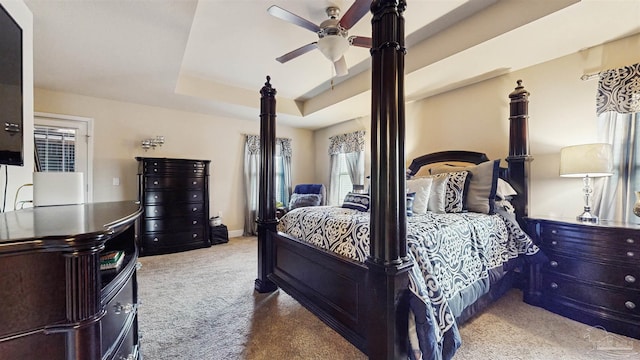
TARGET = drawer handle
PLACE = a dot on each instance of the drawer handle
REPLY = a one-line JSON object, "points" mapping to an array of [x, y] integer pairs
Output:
{"points": [[155, 211], [195, 236], [122, 309], [630, 253], [155, 225], [129, 357], [630, 241], [630, 279], [195, 170], [194, 209], [155, 196], [553, 263], [554, 231], [155, 170], [195, 196], [195, 222], [155, 239], [630, 305], [554, 285], [155, 182], [554, 242], [155, 164], [194, 165], [195, 182]]}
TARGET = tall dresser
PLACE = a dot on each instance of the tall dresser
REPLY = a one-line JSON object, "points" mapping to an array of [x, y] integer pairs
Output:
{"points": [[56, 302], [175, 196], [593, 273]]}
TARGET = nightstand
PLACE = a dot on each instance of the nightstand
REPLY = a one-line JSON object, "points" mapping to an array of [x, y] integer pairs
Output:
{"points": [[593, 273]]}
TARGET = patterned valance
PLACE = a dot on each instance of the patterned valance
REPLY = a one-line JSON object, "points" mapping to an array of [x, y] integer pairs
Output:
{"points": [[619, 90], [347, 143], [284, 148]]}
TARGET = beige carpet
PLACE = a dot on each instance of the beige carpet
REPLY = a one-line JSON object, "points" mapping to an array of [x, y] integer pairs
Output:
{"points": [[201, 305]]}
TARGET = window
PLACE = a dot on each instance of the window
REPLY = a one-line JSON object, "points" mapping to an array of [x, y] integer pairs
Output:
{"points": [[55, 148]]}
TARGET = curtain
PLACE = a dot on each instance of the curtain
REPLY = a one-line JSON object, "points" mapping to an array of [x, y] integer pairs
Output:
{"points": [[618, 109], [251, 183], [283, 149], [334, 180], [252, 178], [352, 146]]}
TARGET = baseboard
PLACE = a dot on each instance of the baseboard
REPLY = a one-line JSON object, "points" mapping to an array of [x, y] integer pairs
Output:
{"points": [[235, 233]]}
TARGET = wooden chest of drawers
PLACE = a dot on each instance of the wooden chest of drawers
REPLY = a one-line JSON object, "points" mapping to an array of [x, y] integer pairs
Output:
{"points": [[175, 197], [593, 273]]}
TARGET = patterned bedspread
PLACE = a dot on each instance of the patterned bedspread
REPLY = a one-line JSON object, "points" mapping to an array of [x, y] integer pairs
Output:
{"points": [[449, 251]]}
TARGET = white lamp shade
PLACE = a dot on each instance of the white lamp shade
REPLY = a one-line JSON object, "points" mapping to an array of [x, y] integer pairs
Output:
{"points": [[333, 46], [593, 160]]}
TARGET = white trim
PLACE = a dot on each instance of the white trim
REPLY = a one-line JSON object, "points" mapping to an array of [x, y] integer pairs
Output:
{"points": [[89, 123]]}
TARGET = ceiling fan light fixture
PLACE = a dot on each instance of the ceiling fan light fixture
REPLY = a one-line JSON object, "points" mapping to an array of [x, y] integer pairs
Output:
{"points": [[333, 46]]}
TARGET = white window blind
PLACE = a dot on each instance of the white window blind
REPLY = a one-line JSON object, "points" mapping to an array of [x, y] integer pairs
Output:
{"points": [[55, 148]]}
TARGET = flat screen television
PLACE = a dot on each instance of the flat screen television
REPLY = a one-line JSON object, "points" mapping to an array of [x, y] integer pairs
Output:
{"points": [[11, 134]]}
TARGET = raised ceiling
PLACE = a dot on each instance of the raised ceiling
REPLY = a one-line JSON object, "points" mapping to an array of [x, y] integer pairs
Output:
{"points": [[213, 56]]}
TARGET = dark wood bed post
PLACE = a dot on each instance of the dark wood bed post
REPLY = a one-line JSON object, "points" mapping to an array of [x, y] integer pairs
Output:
{"points": [[267, 196], [519, 158], [387, 278]]}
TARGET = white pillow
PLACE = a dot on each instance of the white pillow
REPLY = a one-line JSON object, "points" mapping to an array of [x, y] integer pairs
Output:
{"points": [[504, 190], [438, 194], [422, 188]]}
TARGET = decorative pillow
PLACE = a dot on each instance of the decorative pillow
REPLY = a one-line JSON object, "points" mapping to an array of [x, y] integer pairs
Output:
{"points": [[438, 194], [410, 203], [481, 192], [302, 200], [356, 201], [456, 186], [504, 190], [422, 188]]}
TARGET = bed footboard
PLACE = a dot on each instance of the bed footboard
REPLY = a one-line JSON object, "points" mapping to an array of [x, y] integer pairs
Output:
{"points": [[331, 287]]}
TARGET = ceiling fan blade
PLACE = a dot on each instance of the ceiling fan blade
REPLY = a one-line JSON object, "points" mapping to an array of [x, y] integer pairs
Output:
{"points": [[361, 41], [297, 52], [341, 67], [288, 16], [355, 13]]}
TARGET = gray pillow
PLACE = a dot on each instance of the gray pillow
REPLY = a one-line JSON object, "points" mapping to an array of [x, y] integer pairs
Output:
{"points": [[302, 200]]}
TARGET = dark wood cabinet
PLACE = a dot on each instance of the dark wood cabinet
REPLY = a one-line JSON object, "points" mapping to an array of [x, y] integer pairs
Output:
{"points": [[175, 196], [57, 303], [593, 272]]}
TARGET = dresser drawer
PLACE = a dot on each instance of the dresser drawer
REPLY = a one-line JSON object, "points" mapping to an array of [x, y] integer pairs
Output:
{"points": [[117, 311], [174, 223], [624, 276], [591, 239], [173, 182], [623, 302], [175, 166], [170, 239], [180, 209], [168, 197], [128, 349]]}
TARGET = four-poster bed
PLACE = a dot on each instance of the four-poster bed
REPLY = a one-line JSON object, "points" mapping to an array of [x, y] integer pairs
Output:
{"points": [[368, 300]]}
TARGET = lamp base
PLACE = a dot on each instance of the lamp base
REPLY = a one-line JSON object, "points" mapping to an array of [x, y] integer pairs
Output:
{"points": [[586, 216]]}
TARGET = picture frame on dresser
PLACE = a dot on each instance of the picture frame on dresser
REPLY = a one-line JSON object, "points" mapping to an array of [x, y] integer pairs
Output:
{"points": [[174, 194], [592, 274]]}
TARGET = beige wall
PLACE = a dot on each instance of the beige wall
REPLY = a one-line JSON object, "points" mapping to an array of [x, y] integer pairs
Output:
{"points": [[119, 127], [561, 111]]}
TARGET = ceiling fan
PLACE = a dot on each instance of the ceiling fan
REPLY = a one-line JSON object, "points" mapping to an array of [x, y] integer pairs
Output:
{"points": [[333, 33]]}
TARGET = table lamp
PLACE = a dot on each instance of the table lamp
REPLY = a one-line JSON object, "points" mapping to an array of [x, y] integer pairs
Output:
{"points": [[586, 161]]}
